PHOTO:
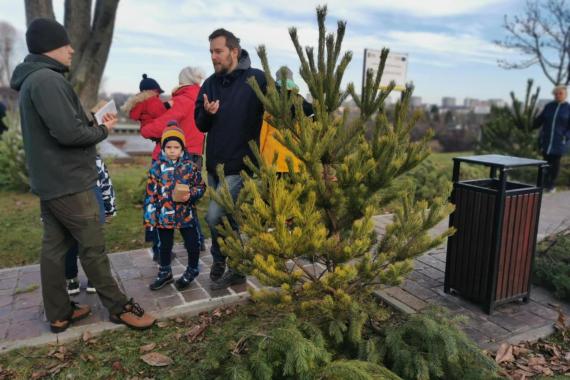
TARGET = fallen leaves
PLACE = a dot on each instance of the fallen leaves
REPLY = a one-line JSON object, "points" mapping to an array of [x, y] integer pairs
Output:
{"points": [[541, 358], [156, 359], [147, 348], [529, 359], [87, 336], [196, 332], [5, 374], [504, 353]]}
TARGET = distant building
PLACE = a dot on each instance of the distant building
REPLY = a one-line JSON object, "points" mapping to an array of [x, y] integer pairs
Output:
{"points": [[482, 110], [471, 102], [448, 102], [416, 101], [500, 103]]}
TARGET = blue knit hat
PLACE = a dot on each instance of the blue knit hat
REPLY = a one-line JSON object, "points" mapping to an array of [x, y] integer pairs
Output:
{"points": [[149, 84]]}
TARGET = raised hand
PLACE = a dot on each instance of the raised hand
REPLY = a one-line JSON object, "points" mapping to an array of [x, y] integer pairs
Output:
{"points": [[211, 107]]}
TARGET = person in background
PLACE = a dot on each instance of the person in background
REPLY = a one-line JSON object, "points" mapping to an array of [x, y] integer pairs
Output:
{"points": [[268, 143], [182, 111], [144, 107], [107, 209], [554, 136]]}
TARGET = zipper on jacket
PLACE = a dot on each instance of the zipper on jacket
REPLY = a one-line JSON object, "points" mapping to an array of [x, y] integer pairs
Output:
{"points": [[552, 127]]}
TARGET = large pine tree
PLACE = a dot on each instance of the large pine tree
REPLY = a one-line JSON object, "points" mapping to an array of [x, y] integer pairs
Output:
{"points": [[309, 235]]}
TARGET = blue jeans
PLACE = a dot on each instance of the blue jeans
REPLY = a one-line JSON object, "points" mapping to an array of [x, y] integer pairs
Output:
{"points": [[216, 212], [71, 268]]}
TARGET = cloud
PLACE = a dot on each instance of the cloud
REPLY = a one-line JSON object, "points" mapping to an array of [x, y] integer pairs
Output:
{"points": [[167, 53], [461, 47]]}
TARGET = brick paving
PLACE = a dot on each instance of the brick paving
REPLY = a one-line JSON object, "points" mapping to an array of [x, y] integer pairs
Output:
{"points": [[513, 322], [22, 322]]}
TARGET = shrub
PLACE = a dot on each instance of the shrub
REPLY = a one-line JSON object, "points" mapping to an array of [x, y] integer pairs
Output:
{"points": [[13, 171], [430, 346], [552, 264]]}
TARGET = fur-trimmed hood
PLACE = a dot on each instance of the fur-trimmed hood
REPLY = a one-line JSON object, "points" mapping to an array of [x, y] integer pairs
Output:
{"points": [[136, 99]]}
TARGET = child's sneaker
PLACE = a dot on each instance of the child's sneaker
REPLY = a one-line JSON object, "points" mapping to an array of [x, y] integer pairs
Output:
{"points": [[163, 278], [186, 279], [73, 287], [90, 288]]}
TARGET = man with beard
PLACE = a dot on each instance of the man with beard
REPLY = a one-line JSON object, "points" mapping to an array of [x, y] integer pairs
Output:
{"points": [[230, 112]]}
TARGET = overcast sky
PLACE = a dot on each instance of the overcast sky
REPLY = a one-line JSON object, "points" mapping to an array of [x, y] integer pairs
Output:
{"points": [[449, 42]]}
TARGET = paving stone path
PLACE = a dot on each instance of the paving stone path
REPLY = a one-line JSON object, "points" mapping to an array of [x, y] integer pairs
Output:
{"points": [[513, 322], [22, 322]]}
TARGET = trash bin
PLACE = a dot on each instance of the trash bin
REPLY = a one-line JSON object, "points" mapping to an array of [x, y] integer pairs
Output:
{"points": [[490, 257]]}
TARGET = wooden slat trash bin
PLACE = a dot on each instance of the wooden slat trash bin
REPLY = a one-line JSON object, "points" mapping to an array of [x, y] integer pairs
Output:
{"points": [[490, 257]]}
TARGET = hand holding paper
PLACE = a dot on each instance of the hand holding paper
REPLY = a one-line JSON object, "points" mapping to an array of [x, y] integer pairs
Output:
{"points": [[109, 108], [110, 120]]}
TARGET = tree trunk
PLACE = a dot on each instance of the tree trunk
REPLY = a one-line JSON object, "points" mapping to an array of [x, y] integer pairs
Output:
{"points": [[38, 8], [91, 40], [88, 66]]}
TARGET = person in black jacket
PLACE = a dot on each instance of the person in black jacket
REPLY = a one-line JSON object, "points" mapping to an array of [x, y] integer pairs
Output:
{"points": [[554, 137], [230, 112], [59, 143]]}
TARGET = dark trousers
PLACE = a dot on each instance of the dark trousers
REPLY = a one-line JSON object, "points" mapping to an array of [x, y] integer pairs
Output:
{"points": [[552, 172], [71, 268], [191, 243], [66, 220], [216, 213]]}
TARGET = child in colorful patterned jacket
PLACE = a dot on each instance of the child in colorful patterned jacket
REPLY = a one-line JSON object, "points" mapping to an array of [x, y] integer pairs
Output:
{"points": [[163, 212]]}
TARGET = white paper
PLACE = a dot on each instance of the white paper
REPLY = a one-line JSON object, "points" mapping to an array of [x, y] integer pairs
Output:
{"points": [[110, 107]]}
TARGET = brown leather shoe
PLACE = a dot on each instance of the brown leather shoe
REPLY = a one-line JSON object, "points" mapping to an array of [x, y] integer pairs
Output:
{"points": [[134, 316], [78, 313]]}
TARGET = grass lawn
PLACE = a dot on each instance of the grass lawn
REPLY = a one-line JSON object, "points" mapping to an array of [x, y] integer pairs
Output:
{"points": [[118, 354], [21, 240]]}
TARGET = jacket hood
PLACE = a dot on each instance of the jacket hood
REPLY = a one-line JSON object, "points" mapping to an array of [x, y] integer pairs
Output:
{"points": [[31, 64], [244, 63], [136, 99]]}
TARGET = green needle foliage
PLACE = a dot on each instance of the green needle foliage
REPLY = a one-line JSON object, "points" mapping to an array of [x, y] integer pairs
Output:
{"points": [[309, 235], [430, 346], [511, 131]]}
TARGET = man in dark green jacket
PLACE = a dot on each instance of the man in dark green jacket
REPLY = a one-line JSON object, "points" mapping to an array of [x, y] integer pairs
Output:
{"points": [[59, 142]]}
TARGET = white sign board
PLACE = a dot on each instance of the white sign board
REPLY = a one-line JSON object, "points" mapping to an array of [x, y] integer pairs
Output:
{"points": [[396, 68]]}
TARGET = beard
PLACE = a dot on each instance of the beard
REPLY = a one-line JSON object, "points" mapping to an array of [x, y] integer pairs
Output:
{"points": [[224, 68]]}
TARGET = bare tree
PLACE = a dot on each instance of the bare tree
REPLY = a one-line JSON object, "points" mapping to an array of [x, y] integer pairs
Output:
{"points": [[543, 34], [91, 32], [7, 42]]}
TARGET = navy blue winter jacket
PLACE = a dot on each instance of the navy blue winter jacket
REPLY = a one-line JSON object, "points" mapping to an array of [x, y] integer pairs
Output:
{"points": [[555, 132], [238, 119]]}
